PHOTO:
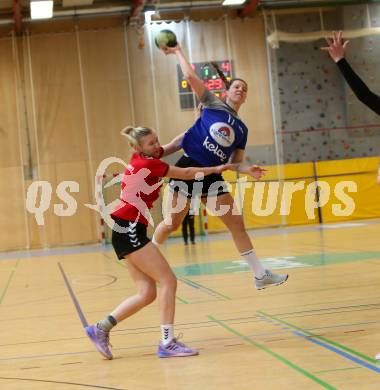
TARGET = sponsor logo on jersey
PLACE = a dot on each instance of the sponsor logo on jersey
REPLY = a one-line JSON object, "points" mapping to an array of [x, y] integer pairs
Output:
{"points": [[222, 133], [214, 149]]}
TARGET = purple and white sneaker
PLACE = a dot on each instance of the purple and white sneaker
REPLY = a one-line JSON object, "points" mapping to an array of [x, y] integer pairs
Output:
{"points": [[101, 340], [175, 349]]}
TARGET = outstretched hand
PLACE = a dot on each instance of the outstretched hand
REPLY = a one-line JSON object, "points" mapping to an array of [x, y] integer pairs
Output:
{"points": [[336, 46], [256, 172]]}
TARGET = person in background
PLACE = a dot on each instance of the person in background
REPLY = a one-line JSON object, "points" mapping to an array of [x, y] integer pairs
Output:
{"points": [[337, 50], [188, 227]]}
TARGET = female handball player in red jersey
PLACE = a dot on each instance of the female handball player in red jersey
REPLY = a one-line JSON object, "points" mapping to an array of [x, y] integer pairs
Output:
{"points": [[145, 262]]}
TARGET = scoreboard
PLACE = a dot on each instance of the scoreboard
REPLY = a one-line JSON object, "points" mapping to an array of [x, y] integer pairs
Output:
{"points": [[210, 78]]}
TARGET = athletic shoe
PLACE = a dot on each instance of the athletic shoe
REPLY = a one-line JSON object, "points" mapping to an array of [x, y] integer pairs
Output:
{"points": [[175, 349], [377, 357], [101, 340], [270, 279]]}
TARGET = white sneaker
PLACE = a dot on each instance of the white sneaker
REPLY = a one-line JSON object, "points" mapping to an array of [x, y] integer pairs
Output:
{"points": [[377, 357], [270, 279]]}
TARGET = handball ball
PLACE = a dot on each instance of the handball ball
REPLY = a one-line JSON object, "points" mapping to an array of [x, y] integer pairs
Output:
{"points": [[165, 38]]}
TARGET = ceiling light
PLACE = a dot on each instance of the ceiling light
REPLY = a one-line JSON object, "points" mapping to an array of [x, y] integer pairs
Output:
{"points": [[233, 2], [41, 9]]}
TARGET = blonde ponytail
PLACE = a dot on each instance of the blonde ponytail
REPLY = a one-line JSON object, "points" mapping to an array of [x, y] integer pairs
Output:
{"points": [[134, 134]]}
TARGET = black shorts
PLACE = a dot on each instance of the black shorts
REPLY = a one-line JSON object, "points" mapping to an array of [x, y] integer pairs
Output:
{"points": [[211, 185], [131, 240]]}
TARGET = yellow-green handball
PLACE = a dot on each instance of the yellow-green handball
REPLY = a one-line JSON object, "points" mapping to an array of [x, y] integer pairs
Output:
{"points": [[165, 38]]}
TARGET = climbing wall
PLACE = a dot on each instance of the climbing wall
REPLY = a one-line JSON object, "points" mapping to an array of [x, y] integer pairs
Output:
{"points": [[317, 115]]}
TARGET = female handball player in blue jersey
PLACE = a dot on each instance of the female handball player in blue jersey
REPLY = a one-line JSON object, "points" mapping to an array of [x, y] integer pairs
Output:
{"points": [[146, 264], [218, 136]]}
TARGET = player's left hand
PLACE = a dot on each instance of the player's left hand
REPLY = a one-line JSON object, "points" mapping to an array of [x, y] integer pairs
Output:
{"points": [[256, 172]]}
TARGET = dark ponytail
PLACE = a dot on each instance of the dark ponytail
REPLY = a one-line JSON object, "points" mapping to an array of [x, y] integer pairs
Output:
{"points": [[226, 83]]}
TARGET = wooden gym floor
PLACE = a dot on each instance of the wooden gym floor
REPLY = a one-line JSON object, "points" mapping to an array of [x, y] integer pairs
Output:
{"points": [[320, 330]]}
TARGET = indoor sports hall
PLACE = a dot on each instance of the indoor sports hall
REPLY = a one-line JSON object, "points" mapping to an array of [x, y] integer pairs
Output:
{"points": [[298, 84]]}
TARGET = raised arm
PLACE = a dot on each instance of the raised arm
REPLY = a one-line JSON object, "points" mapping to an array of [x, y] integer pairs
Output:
{"points": [[360, 89], [188, 72], [337, 50]]}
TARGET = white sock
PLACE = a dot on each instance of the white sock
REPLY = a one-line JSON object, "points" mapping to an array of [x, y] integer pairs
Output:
{"points": [[255, 264], [167, 334], [154, 242]]}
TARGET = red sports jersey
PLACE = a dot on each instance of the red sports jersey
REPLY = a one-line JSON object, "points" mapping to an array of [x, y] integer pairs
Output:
{"points": [[140, 187]]}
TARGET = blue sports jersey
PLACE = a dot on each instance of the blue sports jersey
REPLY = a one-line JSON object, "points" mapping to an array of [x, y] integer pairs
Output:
{"points": [[216, 134]]}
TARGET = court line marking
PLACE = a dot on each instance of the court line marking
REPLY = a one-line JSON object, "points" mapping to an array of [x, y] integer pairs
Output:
{"points": [[8, 282], [27, 254], [338, 351], [131, 331], [181, 299], [132, 347], [205, 289], [321, 338], [337, 369], [73, 297], [138, 330], [347, 325], [57, 297], [274, 354], [153, 329], [62, 383], [332, 310], [113, 278]]}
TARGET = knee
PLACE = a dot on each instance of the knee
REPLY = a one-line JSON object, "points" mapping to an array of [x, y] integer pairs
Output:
{"points": [[148, 294], [237, 226], [170, 282]]}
